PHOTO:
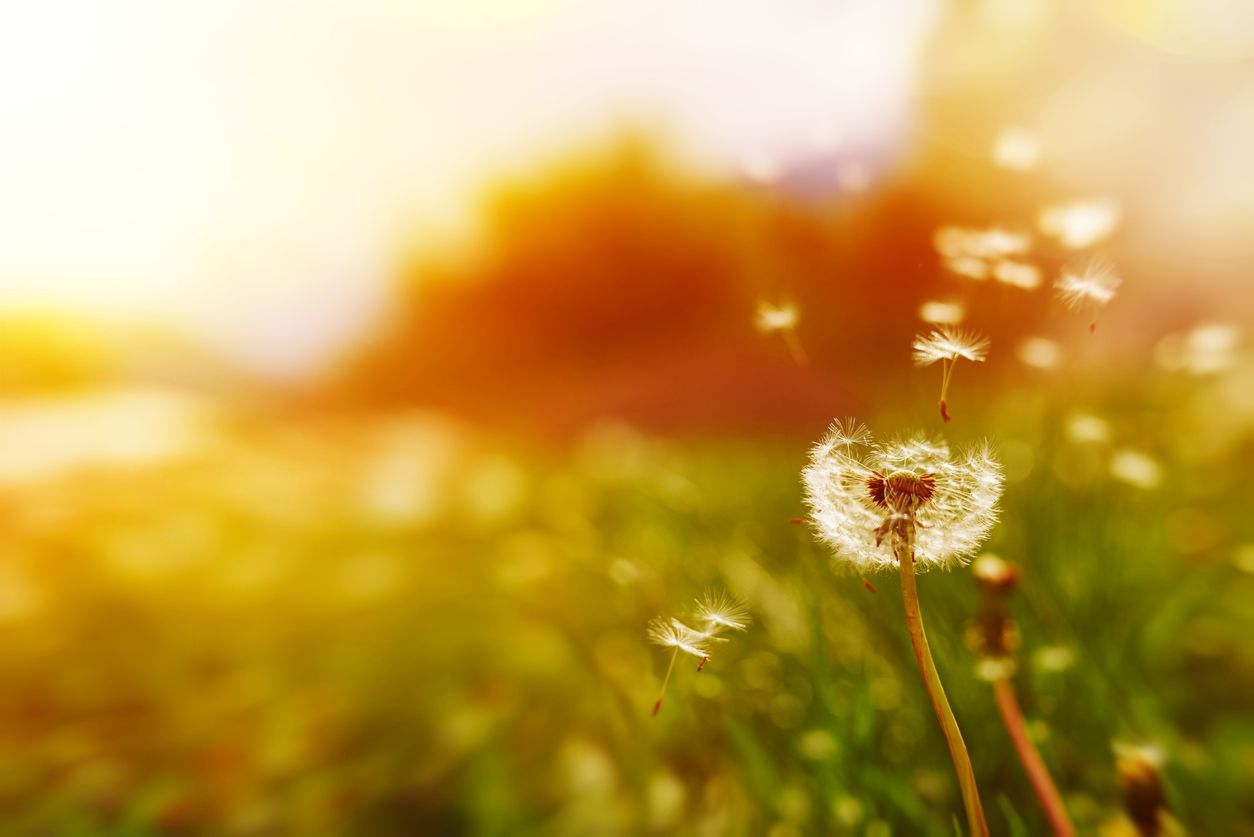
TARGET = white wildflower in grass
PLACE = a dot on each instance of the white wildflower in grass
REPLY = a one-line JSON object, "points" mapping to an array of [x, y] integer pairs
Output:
{"points": [[1089, 288], [857, 491], [1081, 224], [948, 345], [1017, 148], [716, 613], [781, 319], [903, 504], [942, 313], [1039, 352], [1017, 274]]}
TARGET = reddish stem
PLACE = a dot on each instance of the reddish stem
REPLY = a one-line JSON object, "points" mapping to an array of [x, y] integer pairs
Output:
{"points": [[1042, 783]]}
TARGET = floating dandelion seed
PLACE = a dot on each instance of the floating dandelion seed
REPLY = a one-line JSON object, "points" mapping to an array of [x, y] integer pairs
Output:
{"points": [[969, 252], [781, 319], [1205, 350], [1085, 428], [1039, 352], [904, 504], [716, 612], [1018, 274], [1081, 224], [720, 611], [772, 318], [1136, 468], [1090, 288], [1017, 148], [968, 266], [941, 313], [947, 345]]}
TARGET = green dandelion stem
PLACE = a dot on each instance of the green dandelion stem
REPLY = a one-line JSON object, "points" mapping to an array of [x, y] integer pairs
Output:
{"points": [[1042, 782], [903, 546]]}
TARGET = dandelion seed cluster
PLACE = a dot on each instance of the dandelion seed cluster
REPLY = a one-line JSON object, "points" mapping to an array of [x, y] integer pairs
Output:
{"points": [[715, 612], [854, 486]]}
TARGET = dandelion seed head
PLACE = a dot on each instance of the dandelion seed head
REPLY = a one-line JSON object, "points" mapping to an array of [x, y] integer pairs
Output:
{"points": [[1092, 286], [942, 313], [1081, 224], [772, 318], [851, 488], [718, 610], [947, 343]]}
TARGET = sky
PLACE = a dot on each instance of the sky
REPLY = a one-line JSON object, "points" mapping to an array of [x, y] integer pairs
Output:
{"points": [[246, 171]]}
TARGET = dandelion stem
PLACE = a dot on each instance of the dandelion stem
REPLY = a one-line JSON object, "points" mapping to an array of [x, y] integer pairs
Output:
{"points": [[903, 546], [1042, 783], [794, 347], [665, 681]]}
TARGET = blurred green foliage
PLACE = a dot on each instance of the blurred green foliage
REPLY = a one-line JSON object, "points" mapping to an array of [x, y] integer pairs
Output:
{"points": [[395, 627]]}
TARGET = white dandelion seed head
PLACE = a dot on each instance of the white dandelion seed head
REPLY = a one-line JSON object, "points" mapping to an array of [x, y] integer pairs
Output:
{"points": [[1093, 285], [772, 318], [719, 610], [947, 343], [850, 493], [671, 633]]}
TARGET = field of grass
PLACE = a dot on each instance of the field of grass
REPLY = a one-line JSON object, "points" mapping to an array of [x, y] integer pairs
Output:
{"points": [[393, 626]]}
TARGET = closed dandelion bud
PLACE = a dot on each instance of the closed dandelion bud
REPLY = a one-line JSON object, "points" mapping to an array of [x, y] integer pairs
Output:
{"points": [[1140, 781]]}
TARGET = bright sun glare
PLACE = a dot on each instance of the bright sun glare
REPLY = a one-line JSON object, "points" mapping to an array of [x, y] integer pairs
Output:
{"points": [[183, 162]]}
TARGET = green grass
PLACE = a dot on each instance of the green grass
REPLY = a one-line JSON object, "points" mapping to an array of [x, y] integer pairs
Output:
{"points": [[214, 654]]}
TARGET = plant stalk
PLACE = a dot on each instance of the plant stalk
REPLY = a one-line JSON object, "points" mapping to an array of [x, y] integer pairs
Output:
{"points": [[665, 682], [1042, 783], [903, 546]]}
